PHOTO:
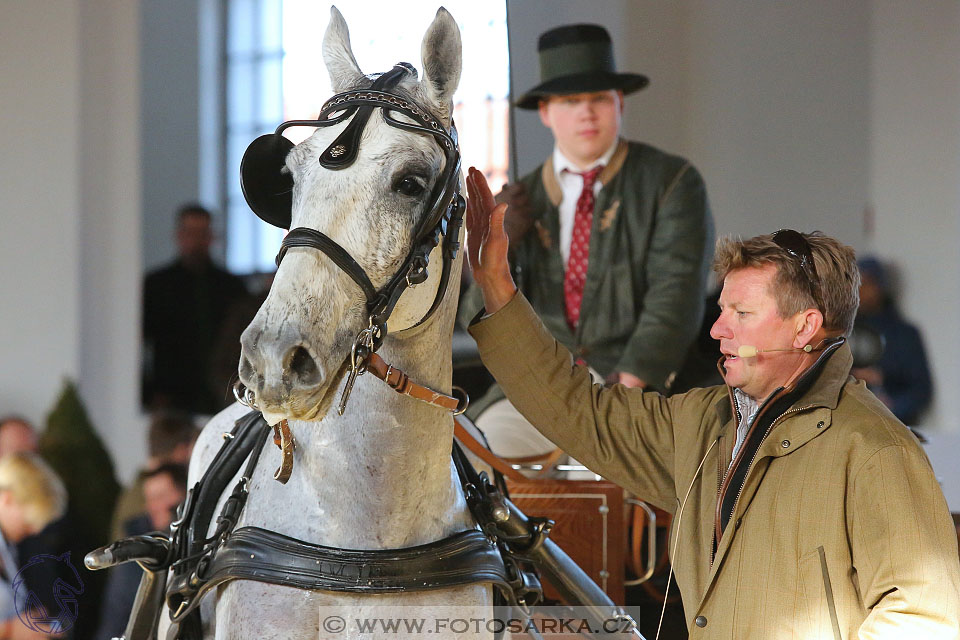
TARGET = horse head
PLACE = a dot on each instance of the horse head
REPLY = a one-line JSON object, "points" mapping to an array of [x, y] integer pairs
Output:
{"points": [[373, 206]]}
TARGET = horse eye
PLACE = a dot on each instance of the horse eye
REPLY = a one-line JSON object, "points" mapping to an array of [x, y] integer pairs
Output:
{"points": [[409, 186]]}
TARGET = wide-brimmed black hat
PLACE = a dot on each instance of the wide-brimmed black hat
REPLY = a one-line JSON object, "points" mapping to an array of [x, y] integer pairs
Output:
{"points": [[578, 58]]}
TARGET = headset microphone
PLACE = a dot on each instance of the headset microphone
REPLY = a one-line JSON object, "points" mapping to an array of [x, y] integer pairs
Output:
{"points": [[749, 351]]}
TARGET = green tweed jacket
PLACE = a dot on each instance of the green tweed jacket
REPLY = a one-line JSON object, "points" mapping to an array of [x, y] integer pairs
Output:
{"points": [[651, 244], [841, 530]]}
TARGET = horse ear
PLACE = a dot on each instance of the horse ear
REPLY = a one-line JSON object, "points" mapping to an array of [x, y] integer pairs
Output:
{"points": [[441, 56], [338, 55]]}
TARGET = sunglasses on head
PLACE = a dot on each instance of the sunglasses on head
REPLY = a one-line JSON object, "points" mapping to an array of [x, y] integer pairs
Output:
{"points": [[797, 246]]}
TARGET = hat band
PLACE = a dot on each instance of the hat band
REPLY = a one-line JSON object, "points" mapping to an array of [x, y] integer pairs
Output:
{"points": [[572, 59]]}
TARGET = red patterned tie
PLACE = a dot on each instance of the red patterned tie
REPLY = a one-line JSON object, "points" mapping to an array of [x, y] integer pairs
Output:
{"points": [[576, 274]]}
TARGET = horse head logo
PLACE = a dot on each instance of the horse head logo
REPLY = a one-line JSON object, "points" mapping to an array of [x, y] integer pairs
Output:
{"points": [[62, 594]]}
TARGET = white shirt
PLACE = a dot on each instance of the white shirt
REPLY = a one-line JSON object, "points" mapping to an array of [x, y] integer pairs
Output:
{"points": [[572, 185], [748, 408]]}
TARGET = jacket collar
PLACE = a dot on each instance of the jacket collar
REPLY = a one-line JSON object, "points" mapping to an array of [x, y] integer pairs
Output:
{"points": [[549, 175], [831, 371]]}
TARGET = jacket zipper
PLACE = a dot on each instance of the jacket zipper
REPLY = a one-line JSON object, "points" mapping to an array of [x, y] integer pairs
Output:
{"points": [[713, 546], [760, 411], [721, 473], [750, 465]]}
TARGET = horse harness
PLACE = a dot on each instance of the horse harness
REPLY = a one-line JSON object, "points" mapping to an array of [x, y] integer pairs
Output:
{"points": [[268, 189], [198, 562], [500, 552]]}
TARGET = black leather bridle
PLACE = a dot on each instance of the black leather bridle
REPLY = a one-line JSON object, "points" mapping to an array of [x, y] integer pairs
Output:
{"points": [[268, 186]]}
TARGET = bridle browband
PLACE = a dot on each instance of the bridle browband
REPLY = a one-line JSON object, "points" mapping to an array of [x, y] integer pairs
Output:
{"points": [[444, 217]]}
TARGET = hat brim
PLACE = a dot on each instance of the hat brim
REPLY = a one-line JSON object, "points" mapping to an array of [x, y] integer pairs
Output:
{"points": [[582, 83]]}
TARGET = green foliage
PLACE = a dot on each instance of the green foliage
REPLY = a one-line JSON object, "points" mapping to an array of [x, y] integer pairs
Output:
{"points": [[71, 446]]}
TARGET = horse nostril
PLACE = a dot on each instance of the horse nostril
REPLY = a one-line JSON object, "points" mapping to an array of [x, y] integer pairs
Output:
{"points": [[246, 368], [303, 365]]}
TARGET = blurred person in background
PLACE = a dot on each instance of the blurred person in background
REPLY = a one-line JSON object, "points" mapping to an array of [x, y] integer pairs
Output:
{"points": [[901, 379], [16, 434], [170, 439], [164, 488], [31, 497], [184, 304]]}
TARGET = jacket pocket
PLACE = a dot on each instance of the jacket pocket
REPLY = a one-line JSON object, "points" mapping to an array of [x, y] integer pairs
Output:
{"points": [[818, 615]]}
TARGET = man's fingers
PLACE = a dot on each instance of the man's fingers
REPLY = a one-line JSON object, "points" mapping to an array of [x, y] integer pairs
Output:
{"points": [[487, 240], [496, 220], [487, 200]]}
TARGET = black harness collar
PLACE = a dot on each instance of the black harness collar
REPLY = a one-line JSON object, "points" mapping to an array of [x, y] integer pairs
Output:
{"points": [[501, 553], [199, 563], [252, 553]]}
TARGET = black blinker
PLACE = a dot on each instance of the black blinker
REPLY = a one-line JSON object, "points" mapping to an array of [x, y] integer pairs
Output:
{"points": [[266, 185]]}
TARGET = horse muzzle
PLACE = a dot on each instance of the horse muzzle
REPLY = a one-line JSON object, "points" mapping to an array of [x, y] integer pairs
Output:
{"points": [[279, 369]]}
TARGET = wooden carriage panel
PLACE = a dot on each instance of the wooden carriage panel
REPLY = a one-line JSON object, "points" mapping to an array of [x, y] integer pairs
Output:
{"points": [[589, 525]]}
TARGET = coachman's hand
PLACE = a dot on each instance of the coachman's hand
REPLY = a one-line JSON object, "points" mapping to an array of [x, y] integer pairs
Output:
{"points": [[487, 243]]}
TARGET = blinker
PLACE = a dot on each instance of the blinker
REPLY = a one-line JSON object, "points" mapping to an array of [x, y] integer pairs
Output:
{"points": [[264, 180]]}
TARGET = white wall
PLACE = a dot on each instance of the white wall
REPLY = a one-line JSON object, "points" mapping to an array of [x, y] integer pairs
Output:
{"points": [[110, 227], [39, 203], [69, 196], [915, 127], [777, 113], [169, 120]]}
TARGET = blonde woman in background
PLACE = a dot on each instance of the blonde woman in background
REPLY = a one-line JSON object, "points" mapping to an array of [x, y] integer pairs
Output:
{"points": [[31, 497]]}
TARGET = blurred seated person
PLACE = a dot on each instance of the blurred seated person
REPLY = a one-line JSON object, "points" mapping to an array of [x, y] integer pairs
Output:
{"points": [[170, 439], [16, 434], [164, 488], [901, 379], [31, 497], [184, 304]]}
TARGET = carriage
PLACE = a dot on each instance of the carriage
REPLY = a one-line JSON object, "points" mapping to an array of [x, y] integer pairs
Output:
{"points": [[372, 201]]}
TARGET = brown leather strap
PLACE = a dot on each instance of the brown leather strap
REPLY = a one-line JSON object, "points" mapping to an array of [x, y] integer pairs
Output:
{"points": [[283, 438], [483, 453], [401, 383]]}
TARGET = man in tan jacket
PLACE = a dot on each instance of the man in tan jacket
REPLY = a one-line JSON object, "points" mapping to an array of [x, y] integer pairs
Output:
{"points": [[803, 508]]}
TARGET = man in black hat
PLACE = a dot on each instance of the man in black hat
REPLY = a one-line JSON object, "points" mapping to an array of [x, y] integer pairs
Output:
{"points": [[610, 240]]}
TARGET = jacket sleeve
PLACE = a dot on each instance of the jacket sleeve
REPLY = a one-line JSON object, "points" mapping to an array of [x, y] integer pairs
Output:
{"points": [[904, 548], [678, 263], [626, 435]]}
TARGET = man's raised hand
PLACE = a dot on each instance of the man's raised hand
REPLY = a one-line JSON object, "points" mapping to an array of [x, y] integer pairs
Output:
{"points": [[487, 243]]}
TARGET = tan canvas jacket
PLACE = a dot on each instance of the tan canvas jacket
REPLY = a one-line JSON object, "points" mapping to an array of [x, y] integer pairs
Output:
{"points": [[841, 530]]}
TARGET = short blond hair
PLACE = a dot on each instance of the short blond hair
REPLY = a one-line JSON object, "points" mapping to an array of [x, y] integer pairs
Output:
{"points": [[35, 487], [837, 274]]}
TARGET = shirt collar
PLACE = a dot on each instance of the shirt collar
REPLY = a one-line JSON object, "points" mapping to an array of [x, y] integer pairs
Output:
{"points": [[561, 162], [746, 405]]}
